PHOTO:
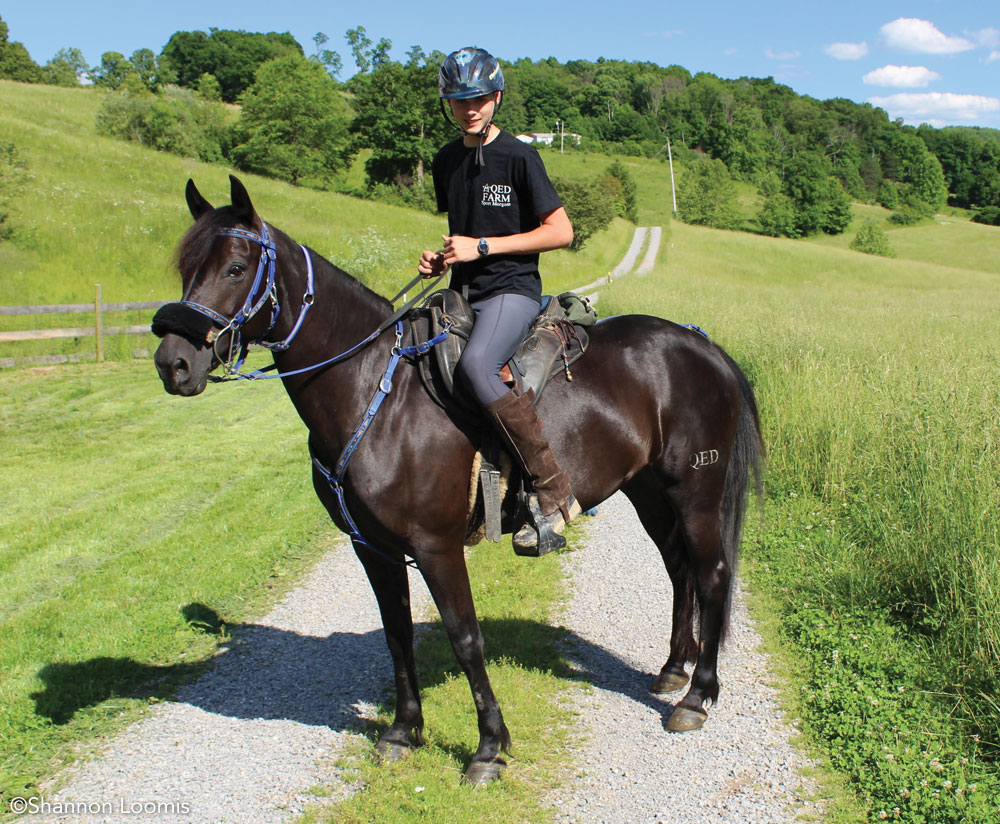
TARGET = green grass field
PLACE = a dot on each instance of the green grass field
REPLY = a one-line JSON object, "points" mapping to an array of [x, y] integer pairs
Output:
{"points": [[875, 564]]}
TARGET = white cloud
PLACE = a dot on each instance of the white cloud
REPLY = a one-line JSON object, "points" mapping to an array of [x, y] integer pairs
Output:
{"points": [[791, 55], [903, 77], [668, 33], [989, 37], [847, 51], [994, 55], [910, 34], [944, 107]]}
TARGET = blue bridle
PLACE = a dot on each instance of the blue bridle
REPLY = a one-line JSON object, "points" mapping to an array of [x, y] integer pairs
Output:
{"points": [[265, 274]]}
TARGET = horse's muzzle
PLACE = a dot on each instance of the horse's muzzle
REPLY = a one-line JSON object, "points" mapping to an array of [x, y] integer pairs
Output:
{"points": [[182, 367]]}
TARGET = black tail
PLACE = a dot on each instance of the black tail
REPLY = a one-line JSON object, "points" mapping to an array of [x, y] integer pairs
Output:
{"points": [[747, 457]]}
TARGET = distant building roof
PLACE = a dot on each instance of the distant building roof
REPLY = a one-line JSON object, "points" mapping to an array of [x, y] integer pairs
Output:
{"points": [[548, 137]]}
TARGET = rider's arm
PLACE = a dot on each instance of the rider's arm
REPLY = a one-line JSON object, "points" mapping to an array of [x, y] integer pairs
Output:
{"points": [[555, 232]]}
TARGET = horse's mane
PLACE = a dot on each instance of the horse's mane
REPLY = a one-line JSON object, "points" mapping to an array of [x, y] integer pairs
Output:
{"points": [[197, 242]]}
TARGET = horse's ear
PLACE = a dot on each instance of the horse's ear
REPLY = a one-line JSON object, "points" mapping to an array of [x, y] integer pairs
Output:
{"points": [[241, 201], [196, 203]]}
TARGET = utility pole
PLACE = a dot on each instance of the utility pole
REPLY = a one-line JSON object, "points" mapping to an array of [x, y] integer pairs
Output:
{"points": [[673, 189], [561, 128]]}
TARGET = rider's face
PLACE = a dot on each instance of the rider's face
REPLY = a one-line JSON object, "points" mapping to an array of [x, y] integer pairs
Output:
{"points": [[474, 113]]}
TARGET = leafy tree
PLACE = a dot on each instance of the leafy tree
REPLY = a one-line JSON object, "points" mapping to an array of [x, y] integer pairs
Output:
{"points": [[231, 56], [208, 88], [588, 207], [970, 161], [15, 62], [777, 215], [112, 72], [622, 188], [398, 117], [817, 201], [872, 240], [329, 60], [12, 178], [153, 72], [706, 195], [912, 208], [365, 57], [294, 124], [360, 45], [887, 195], [65, 69]]}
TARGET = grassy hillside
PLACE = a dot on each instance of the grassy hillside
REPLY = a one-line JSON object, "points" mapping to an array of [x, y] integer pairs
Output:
{"points": [[98, 210]]}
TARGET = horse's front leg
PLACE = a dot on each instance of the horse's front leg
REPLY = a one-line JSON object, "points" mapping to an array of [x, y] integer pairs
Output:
{"points": [[392, 591], [448, 581]]}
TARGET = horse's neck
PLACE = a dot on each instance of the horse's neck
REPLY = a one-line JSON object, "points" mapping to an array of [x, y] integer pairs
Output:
{"points": [[343, 311], [330, 400]]}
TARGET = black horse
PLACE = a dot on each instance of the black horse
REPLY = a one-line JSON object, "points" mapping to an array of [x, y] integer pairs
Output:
{"points": [[655, 409]]}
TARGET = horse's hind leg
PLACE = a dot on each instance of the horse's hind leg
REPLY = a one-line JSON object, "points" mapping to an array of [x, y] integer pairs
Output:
{"points": [[392, 591], [699, 521], [647, 494]]}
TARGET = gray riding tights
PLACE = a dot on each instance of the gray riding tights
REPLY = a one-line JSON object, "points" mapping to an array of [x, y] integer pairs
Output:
{"points": [[502, 322]]}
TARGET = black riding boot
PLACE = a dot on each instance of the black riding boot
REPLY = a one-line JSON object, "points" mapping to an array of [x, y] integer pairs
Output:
{"points": [[551, 506]]}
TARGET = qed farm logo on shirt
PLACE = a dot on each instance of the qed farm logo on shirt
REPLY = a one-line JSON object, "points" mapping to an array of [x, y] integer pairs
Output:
{"points": [[496, 194]]}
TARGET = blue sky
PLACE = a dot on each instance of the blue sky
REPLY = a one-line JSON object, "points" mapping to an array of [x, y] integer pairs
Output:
{"points": [[929, 61]]}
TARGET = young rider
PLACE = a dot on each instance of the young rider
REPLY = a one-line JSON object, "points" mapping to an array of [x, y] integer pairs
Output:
{"points": [[502, 212]]}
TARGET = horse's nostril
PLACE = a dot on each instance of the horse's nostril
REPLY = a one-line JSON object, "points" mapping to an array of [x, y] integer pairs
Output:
{"points": [[181, 365]]}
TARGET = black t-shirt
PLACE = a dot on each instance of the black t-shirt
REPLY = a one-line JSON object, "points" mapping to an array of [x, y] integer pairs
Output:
{"points": [[505, 196]]}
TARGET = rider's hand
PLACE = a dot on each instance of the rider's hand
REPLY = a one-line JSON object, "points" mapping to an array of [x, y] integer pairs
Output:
{"points": [[432, 264], [460, 249]]}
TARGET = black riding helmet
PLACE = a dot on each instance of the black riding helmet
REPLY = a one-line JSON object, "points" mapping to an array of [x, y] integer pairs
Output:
{"points": [[468, 73]]}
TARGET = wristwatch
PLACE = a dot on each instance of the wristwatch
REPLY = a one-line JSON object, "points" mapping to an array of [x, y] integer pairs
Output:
{"points": [[483, 247]]}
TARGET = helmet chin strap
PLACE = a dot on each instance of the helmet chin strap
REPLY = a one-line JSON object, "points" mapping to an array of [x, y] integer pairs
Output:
{"points": [[480, 160]]}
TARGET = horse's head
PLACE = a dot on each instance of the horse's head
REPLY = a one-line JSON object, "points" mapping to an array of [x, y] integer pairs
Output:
{"points": [[226, 262]]}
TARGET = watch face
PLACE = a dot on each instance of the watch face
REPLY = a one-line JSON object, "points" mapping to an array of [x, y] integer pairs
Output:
{"points": [[484, 247]]}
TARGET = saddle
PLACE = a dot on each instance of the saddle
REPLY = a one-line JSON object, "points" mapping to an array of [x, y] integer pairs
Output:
{"points": [[552, 345], [497, 500]]}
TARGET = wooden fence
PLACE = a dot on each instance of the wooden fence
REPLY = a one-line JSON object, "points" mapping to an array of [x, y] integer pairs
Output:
{"points": [[97, 330]]}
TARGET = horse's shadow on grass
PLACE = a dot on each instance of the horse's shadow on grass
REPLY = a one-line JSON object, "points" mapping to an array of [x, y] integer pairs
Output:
{"points": [[266, 673]]}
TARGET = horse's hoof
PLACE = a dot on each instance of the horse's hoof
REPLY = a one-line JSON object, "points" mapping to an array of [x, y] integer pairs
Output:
{"points": [[683, 719], [481, 773], [389, 752], [668, 682]]}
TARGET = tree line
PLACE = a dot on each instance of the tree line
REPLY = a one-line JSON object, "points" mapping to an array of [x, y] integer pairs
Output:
{"points": [[301, 122]]}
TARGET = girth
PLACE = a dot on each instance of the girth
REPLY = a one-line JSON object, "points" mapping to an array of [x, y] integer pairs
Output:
{"points": [[553, 344]]}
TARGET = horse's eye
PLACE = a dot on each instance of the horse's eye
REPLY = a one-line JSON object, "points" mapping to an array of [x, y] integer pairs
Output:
{"points": [[236, 271]]}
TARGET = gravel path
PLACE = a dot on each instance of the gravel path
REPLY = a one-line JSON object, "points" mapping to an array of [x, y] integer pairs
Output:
{"points": [[247, 741], [739, 768]]}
